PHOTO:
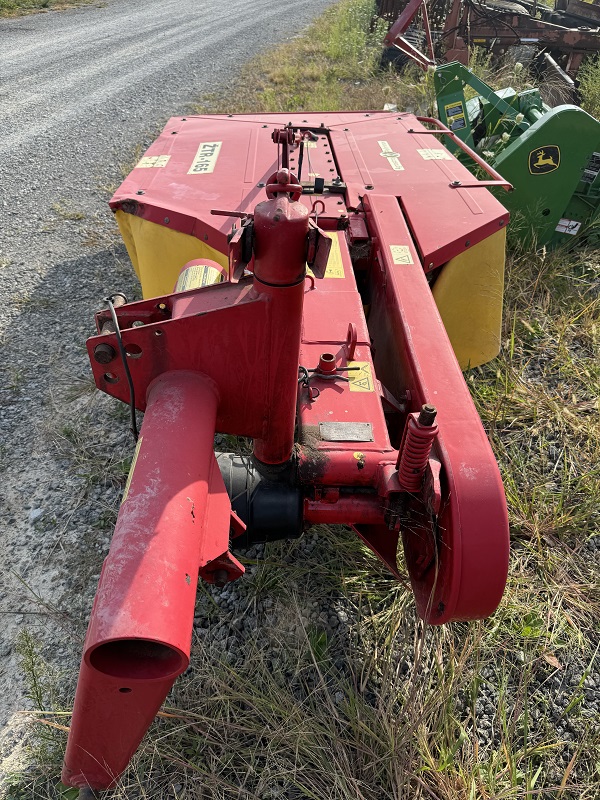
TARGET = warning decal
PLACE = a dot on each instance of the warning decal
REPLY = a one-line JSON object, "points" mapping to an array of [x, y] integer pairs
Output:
{"points": [[206, 158], [455, 114], [570, 226], [152, 161], [361, 380], [401, 254], [198, 275], [592, 169], [434, 154], [335, 265], [392, 157], [131, 469]]}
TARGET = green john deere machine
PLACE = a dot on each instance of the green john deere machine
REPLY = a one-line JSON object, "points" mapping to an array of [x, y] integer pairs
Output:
{"points": [[550, 155]]}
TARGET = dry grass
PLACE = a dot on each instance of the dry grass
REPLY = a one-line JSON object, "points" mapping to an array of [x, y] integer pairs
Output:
{"points": [[11, 8], [281, 704], [589, 86], [333, 66]]}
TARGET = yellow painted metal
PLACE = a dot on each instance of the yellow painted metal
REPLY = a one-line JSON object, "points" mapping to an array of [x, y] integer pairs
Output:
{"points": [[468, 294], [158, 253]]}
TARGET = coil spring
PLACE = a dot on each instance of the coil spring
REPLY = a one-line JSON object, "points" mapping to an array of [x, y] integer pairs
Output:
{"points": [[416, 447]]}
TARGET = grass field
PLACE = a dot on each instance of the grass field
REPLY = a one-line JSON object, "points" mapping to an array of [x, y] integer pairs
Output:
{"points": [[9, 8], [312, 678]]}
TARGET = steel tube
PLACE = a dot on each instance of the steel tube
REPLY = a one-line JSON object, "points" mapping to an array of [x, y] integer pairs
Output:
{"points": [[347, 510], [139, 636], [471, 153], [281, 229]]}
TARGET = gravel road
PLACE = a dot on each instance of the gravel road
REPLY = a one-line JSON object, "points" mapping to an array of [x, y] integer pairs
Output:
{"points": [[80, 90]]}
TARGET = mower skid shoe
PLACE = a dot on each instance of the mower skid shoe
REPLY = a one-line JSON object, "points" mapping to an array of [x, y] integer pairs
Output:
{"points": [[139, 636]]}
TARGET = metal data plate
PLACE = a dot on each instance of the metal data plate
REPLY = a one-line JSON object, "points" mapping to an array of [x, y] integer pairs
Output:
{"points": [[346, 431]]}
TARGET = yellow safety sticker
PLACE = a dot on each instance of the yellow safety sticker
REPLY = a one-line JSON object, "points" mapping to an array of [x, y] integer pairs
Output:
{"points": [[198, 275], [401, 254], [361, 380], [205, 159], [434, 154], [131, 469], [455, 114], [152, 161], [392, 158], [335, 265]]}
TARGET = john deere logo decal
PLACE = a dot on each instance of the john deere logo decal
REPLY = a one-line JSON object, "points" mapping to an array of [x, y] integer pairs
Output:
{"points": [[544, 159]]}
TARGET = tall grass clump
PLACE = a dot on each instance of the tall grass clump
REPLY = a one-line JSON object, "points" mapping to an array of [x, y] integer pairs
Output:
{"points": [[589, 86]]}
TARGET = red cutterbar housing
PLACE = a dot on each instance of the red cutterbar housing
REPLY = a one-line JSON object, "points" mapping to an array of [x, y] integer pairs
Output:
{"points": [[345, 378]]}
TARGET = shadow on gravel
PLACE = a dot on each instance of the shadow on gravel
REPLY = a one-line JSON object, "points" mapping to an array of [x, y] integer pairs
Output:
{"points": [[64, 457]]}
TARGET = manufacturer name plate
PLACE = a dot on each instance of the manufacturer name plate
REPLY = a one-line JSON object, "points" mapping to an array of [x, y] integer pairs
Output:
{"points": [[346, 431]]}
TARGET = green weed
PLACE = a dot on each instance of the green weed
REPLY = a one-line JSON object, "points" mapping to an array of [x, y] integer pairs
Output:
{"points": [[12, 7], [589, 86]]}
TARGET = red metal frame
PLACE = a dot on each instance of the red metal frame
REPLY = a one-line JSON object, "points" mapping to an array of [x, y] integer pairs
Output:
{"points": [[462, 26], [227, 358], [497, 179], [395, 37]]}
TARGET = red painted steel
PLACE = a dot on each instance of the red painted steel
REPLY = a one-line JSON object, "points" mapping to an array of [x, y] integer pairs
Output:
{"points": [[498, 180], [361, 509], [347, 359], [395, 38], [139, 636], [280, 226], [469, 542], [405, 17], [350, 147]]}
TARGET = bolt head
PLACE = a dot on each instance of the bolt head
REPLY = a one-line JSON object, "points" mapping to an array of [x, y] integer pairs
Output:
{"points": [[427, 415]]}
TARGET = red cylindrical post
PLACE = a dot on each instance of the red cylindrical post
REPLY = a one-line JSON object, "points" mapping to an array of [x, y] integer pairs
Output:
{"points": [[281, 229], [355, 509], [139, 636], [327, 364]]}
